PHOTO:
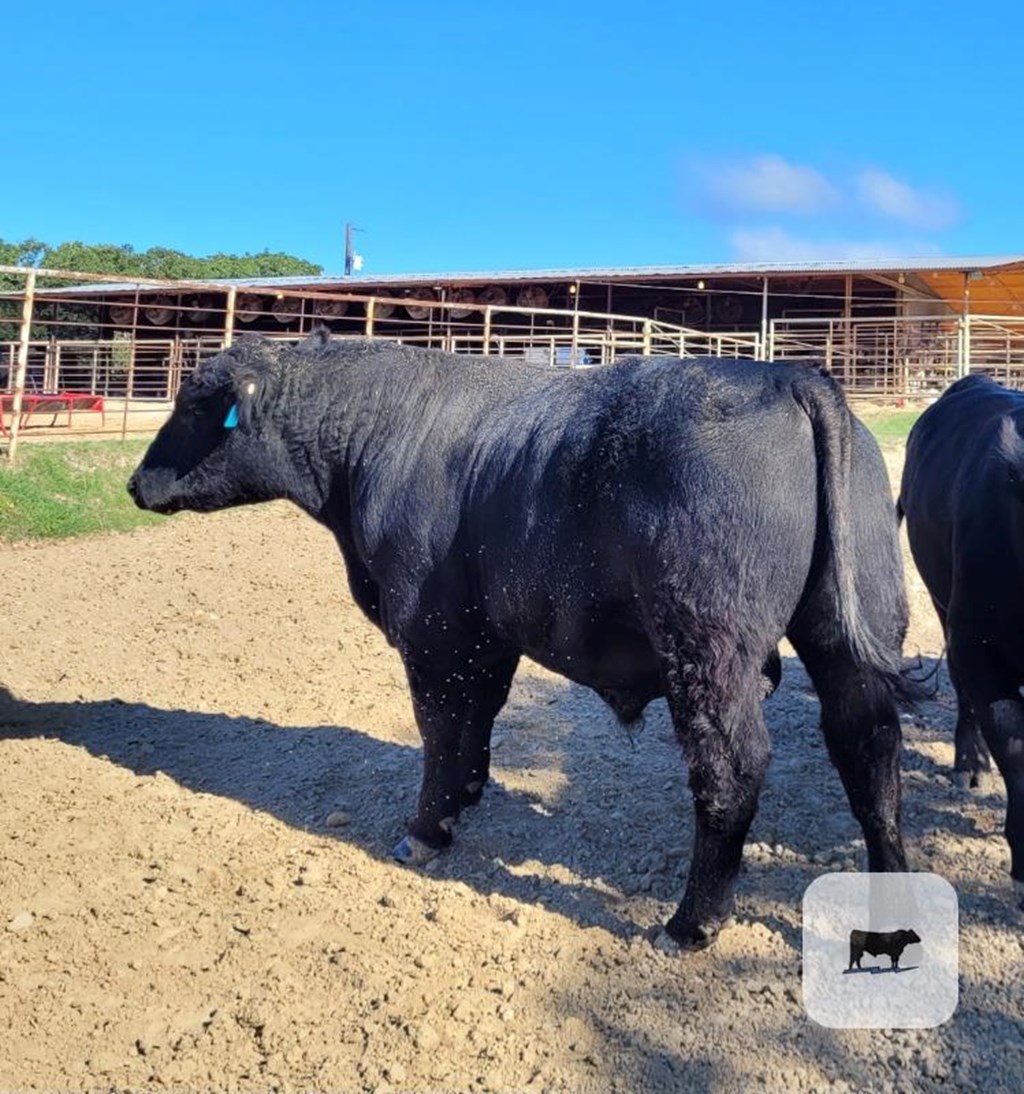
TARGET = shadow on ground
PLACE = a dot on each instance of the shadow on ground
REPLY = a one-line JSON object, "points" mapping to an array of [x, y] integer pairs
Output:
{"points": [[624, 823], [611, 848]]}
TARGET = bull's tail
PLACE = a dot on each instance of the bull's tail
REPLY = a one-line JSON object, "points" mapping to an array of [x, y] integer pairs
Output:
{"points": [[824, 404]]}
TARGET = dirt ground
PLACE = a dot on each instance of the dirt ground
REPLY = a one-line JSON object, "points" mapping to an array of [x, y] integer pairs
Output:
{"points": [[207, 754]]}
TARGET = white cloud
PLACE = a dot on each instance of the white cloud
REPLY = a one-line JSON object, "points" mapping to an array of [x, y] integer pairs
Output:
{"points": [[882, 193], [774, 244], [767, 184], [777, 210]]}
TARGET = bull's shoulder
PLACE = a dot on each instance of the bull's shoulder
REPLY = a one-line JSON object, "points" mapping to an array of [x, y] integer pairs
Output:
{"points": [[950, 446], [975, 381], [969, 403]]}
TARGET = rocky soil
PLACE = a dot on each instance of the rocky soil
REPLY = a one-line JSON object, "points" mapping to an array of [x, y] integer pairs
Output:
{"points": [[207, 754]]}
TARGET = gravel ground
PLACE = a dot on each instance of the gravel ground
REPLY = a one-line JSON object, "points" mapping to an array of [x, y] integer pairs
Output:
{"points": [[208, 753]]}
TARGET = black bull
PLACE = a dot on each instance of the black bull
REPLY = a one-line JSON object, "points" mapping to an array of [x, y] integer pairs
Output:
{"points": [[648, 529], [891, 943], [963, 498]]}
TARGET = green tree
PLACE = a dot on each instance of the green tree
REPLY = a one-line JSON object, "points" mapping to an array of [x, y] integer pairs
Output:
{"points": [[26, 253], [162, 262], [123, 259]]}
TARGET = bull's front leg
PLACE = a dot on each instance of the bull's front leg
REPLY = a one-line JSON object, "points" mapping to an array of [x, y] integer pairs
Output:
{"points": [[487, 693], [455, 708]]}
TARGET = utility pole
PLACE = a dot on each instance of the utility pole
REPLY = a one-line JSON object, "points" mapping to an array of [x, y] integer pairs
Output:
{"points": [[352, 260]]}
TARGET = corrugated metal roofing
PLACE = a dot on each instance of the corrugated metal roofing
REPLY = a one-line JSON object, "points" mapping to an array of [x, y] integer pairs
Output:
{"points": [[357, 282], [730, 269]]}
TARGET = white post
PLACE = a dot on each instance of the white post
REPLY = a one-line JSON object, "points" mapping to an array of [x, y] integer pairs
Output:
{"points": [[764, 317], [965, 339], [53, 365], [847, 354], [574, 352]]}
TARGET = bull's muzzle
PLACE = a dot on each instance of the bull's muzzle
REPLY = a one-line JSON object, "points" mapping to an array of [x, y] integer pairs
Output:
{"points": [[153, 491]]}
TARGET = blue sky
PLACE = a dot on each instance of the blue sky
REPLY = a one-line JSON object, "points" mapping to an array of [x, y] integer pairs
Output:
{"points": [[474, 136]]}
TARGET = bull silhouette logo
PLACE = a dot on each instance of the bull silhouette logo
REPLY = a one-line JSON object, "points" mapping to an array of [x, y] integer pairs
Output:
{"points": [[876, 943], [846, 994]]}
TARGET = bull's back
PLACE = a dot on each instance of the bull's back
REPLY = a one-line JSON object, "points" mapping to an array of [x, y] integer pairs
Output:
{"points": [[679, 474], [952, 491]]}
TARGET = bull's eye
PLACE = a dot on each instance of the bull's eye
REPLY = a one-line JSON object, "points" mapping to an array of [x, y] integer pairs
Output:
{"points": [[198, 410]]}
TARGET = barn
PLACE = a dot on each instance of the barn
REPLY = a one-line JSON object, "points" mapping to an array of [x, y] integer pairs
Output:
{"points": [[889, 330]]}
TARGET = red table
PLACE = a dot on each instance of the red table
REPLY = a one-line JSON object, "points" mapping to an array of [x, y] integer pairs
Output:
{"points": [[31, 403]]}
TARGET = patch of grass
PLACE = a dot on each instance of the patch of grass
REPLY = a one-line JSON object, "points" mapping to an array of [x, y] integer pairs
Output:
{"points": [[890, 427], [69, 489]]}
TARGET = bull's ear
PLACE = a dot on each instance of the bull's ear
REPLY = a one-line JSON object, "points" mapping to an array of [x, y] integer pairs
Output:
{"points": [[317, 340], [245, 410]]}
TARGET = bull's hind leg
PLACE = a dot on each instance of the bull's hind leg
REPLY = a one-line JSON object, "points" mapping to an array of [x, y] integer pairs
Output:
{"points": [[862, 731], [971, 755], [716, 710], [455, 710], [994, 694]]}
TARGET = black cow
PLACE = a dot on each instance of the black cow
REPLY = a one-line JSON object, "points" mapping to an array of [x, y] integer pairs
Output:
{"points": [[963, 498], [650, 528], [878, 942]]}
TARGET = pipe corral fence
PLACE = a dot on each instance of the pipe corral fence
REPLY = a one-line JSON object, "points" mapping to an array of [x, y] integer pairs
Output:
{"points": [[73, 362]]}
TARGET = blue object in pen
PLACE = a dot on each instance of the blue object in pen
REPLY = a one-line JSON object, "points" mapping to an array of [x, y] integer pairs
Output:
{"points": [[232, 419]]}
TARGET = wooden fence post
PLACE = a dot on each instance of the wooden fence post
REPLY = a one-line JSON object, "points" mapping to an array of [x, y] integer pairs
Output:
{"points": [[229, 316], [22, 366]]}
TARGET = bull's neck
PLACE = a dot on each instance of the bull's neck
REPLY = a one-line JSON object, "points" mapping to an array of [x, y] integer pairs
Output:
{"points": [[338, 426], [299, 426]]}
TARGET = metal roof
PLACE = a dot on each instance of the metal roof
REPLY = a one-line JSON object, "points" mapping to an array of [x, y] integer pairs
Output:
{"points": [[355, 283], [727, 269]]}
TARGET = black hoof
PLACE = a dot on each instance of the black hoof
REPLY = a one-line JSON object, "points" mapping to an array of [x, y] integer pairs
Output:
{"points": [[970, 778], [691, 937], [418, 847], [662, 941], [410, 851]]}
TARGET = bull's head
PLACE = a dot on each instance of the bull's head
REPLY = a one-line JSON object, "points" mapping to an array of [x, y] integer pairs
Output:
{"points": [[219, 445]]}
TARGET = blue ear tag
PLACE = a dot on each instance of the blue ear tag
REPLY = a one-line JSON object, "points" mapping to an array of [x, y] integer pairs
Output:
{"points": [[232, 419]]}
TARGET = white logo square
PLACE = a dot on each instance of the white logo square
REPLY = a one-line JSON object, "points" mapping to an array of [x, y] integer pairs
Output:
{"points": [[880, 951]]}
